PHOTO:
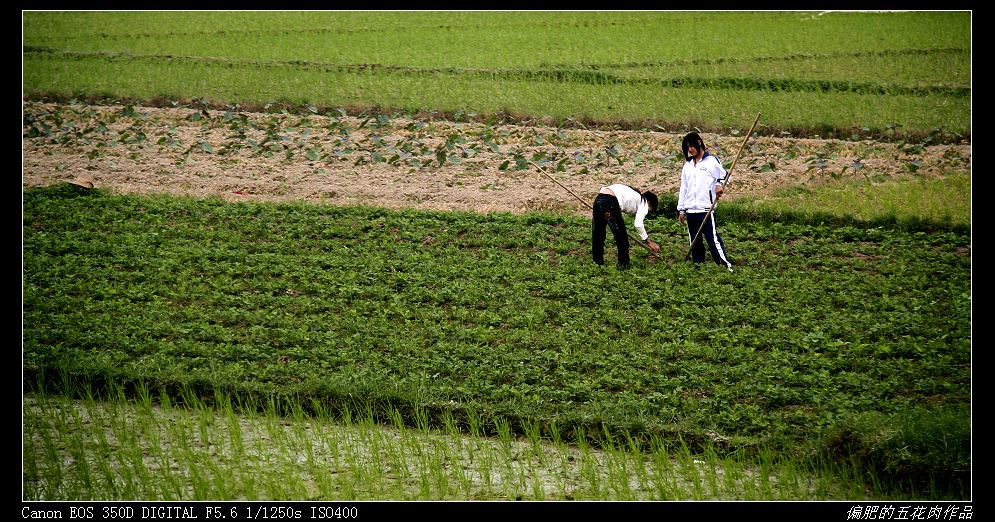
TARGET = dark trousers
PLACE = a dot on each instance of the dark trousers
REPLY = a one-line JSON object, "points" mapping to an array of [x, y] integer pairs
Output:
{"points": [[607, 213], [709, 234]]}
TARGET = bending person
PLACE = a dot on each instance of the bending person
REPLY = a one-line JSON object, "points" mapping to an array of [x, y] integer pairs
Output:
{"points": [[612, 201]]}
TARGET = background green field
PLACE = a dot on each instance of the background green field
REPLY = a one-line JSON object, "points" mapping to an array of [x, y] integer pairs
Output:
{"points": [[809, 73]]}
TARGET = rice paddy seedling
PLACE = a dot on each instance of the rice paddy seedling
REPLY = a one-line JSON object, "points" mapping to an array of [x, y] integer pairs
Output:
{"points": [[916, 81], [298, 461]]}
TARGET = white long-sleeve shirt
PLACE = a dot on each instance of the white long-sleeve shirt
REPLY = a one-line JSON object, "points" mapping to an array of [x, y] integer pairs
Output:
{"points": [[632, 202], [698, 181]]}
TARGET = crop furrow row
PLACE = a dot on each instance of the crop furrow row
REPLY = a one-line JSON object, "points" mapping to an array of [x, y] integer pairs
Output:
{"points": [[554, 75]]}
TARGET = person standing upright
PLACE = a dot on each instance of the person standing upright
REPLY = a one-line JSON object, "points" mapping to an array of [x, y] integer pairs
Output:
{"points": [[702, 180]]}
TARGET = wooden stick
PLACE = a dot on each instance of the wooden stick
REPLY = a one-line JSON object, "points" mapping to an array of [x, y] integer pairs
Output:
{"points": [[728, 177]]}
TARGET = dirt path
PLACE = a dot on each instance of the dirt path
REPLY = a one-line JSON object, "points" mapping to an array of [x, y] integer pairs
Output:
{"points": [[344, 160]]}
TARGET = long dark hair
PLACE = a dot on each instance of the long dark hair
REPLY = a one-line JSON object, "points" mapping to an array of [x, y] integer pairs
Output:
{"points": [[654, 203], [650, 198], [692, 139]]}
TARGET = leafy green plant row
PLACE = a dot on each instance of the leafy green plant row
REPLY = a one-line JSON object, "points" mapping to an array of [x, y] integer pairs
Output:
{"points": [[517, 70], [328, 138], [560, 74], [797, 57], [274, 24], [800, 113], [906, 67], [512, 39], [504, 315]]}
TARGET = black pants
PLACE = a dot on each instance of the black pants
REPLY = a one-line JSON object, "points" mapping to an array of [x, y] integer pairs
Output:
{"points": [[708, 233], [607, 213]]}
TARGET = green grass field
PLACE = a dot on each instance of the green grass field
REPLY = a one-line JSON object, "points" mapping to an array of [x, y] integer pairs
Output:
{"points": [[828, 74]]}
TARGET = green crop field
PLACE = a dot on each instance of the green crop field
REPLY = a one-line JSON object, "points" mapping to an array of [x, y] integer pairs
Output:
{"points": [[837, 358], [828, 73]]}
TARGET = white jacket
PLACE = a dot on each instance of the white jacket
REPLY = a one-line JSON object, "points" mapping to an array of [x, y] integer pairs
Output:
{"points": [[698, 181]]}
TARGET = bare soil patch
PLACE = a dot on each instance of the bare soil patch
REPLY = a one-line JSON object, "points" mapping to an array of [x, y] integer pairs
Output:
{"points": [[204, 154]]}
